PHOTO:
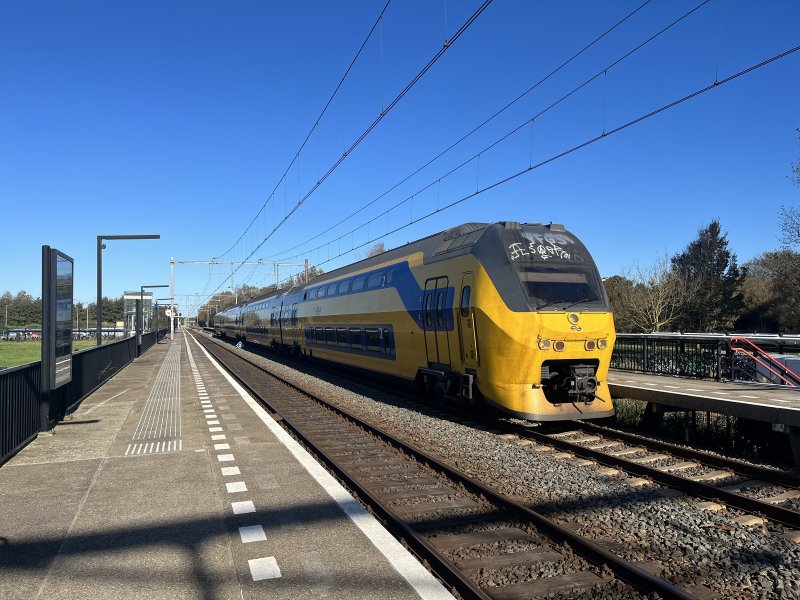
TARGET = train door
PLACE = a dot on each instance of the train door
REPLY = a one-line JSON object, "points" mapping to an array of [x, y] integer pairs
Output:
{"points": [[435, 321], [466, 322]]}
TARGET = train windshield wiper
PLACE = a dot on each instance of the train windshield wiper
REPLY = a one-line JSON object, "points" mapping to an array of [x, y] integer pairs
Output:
{"points": [[541, 306], [582, 300]]}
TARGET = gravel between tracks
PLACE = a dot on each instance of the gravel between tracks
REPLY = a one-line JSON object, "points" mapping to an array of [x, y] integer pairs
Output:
{"points": [[678, 540]]}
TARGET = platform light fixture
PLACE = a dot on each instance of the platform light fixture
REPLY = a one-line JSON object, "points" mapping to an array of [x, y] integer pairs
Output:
{"points": [[100, 247]]}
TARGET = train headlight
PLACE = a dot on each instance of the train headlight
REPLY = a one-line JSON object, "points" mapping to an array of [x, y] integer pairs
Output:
{"points": [[544, 344], [590, 344], [559, 345], [601, 344]]}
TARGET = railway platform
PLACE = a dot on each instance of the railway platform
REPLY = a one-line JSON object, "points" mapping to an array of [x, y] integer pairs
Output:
{"points": [[169, 482], [776, 404]]}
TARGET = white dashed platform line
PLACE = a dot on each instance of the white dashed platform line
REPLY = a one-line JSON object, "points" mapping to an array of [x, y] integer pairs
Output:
{"points": [[264, 568], [243, 508], [223, 446], [212, 422], [693, 390], [235, 487], [228, 471], [673, 387], [213, 429], [425, 584], [218, 436], [225, 457], [252, 533], [751, 397]]}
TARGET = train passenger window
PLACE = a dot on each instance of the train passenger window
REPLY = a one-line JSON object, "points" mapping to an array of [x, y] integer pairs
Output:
{"points": [[319, 335], [344, 287], [375, 280], [332, 290], [387, 341], [294, 313], [465, 301], [373, 339], [429, 311], [358, 283], [355, 337], [321, 292], [440, 310], [341, 336], [330, 336], [312, 295]]}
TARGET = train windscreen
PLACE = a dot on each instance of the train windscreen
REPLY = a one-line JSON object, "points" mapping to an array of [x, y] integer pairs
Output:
{"points": [[560, 286]]}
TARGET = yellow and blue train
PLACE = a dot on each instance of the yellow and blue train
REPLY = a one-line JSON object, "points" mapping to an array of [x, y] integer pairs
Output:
{"points": [[508, 314]]}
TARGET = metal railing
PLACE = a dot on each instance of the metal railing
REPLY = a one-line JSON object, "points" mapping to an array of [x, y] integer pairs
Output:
{"points": [[20, 390], [703, 356]]}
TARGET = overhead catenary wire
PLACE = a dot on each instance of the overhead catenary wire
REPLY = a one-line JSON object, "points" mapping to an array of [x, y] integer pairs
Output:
{"points": [[316, 123], [572, 149], [477, 128], [367, 131], [601, 73], [447, 45]]}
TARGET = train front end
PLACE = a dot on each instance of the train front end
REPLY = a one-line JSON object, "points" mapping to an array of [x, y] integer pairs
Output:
{"points": [[545, 315]]}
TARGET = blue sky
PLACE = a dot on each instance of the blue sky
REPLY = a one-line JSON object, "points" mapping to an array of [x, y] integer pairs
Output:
{"points": [[180, 118]]}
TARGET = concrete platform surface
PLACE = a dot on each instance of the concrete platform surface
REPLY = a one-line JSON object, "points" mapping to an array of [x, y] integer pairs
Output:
{"points": [[169, 483]]}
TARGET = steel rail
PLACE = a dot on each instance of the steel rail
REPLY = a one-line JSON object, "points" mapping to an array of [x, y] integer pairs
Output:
{"points": [[594, 553], [420, 546], [754, 471], [694, 488]]}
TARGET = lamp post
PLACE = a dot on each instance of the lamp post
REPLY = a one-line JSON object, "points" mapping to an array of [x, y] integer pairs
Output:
{"points": [[100, 246]]}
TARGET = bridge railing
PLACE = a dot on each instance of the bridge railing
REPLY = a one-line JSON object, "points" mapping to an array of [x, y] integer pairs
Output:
{"points": [[21, 394], [703, 356]]}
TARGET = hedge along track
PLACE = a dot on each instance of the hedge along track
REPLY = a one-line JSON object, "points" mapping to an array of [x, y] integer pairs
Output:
{"points": [[453, 523], [615, 449]]}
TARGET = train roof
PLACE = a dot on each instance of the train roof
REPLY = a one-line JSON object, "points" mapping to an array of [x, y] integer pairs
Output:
{"points": [[442, 245], [455, 241]]}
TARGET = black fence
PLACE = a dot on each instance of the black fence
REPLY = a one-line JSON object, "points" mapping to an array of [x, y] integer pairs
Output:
{"points": [[700, 356], [21, 397]]}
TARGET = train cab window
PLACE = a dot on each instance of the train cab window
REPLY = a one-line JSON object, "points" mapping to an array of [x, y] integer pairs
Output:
{"points": [[440, 310], [332, 290], [294, 313], [373, 339], [341, 336], [429, 311], [358, 283], [344, 287], [376, 280], [465, 301], [355, 337], [560, 286]]}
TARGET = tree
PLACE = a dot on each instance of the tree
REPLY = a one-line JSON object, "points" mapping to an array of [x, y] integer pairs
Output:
{"points": [[790, 222], [648, 298], [709, 269], [771, 292], [374, 250], [789, 218]]}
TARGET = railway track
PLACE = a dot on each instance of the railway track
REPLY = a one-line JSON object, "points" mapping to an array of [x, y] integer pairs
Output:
{"points": [[713, 478], [481, 543]]}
